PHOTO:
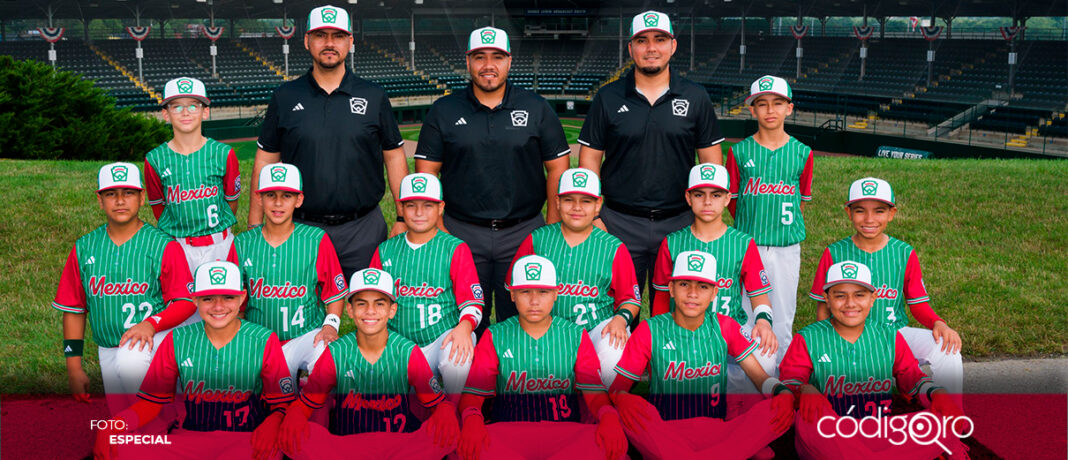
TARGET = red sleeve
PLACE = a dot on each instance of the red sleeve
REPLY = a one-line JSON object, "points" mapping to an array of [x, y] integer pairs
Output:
{"points": [[420, 377], [754, 277], [176, 282], [482, 380], [661, 278], [232, 179], [159, 383], [906, 369], [465, 285], [816, 293], [806, 179], [331, 279], [526, 248], [154, 187], [278, 384], [636, 356], [916, 294], [376, 261], [796, 366], [70, 295], [321, 382], [735, 176], [232, 256], [737, 345], [624, 288], [587, 367]]}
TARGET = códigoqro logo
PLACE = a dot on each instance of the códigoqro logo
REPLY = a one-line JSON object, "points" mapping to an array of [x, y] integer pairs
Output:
{"points": [[923, 428]]}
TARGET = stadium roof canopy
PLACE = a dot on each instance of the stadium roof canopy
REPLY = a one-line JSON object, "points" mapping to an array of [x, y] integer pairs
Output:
{"points": [[253, 9]]}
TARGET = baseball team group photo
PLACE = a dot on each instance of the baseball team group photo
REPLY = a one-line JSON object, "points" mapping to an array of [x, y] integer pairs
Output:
{"points": [[426, 229]]}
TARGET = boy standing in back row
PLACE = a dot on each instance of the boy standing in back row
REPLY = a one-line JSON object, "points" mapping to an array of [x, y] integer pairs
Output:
{"points": [[193, 181], [771, 179]]}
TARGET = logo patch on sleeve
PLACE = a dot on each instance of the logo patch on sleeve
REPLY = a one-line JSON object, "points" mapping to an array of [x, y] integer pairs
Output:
{"points": [[764, 277], [434, 385], [476, 291], [286, 384], [637, 293], [339, 282]]}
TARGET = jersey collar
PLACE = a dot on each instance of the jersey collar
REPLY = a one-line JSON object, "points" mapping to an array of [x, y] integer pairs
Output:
{"points": [[506, 101], [674, 85]]}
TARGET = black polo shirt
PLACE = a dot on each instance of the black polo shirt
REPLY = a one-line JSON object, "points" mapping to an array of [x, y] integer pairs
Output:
{"points": [[492, 160], [336, 140], [649, 150]]}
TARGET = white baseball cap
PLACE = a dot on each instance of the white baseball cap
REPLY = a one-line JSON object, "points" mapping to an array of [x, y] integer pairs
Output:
{"points": [[489, 38], [695, 266], [119, 175], [372, 279], [217, 278], [769, 84], [708, 175], [871, 188], [280, 176], [533, 272], [185, 87], [848, 272], [651, 20], [420, 186], [329, 17], [580, 180]]}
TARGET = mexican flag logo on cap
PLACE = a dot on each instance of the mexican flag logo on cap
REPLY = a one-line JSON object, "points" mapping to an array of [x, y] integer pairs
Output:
{"points": [[708, 172], [696, 262], [651, 19], [118, 173], [869, 187], [371, 276], [329, 15], [533, 271], [419, 185], [766, 83], [489, 36], [278, 173], [217, 275], [579, 179], [849, 271], [185, 86]]}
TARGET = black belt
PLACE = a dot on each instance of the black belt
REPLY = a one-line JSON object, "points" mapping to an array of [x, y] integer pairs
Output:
{"points": [[331, 219], [493, 224], [646, 213]]}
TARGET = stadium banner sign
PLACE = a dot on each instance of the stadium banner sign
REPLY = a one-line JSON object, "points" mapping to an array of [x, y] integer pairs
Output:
{"points": [[556, 12], [931, 33], [286, 32], [799, 31], [51, 34], [1009, 33], [863, 33], [901, 153], [213, 33], [138, 32]]}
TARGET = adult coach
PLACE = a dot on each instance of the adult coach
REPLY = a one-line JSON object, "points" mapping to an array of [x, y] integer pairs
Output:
{"points": [[493, 143], [646, 127], [338, 129]]}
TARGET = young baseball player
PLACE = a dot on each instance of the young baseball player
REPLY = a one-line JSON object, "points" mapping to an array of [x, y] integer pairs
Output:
{"points": [[233, 375], [686, 352], [846, 366], [130, 281], [193, 181], [598, 289], [438, 293], [898, 282], [369, 372], [534, 366], [737, 263], [295, 285], [771, 180]]}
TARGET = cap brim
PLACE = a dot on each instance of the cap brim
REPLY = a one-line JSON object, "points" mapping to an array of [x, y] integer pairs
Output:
{"points": [[329, 27], [531, 286], [694, 278], [112, 187], [417, 197], [203, 99], [578, 192], [208, 292], [278, 189], [870, 198], [717, 187], [391, 296], [494, 48], [752, 97], [639, 32], [859, 283]]}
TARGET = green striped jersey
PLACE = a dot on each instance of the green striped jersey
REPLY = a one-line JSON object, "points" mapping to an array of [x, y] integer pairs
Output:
{"points": [[290, 285], [193, 190], [768, 187]]}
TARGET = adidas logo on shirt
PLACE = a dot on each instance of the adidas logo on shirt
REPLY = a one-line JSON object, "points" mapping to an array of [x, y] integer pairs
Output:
{"points": [[461, 121], [248, 263], [825, 358], [350, 375], [669, 346], [508, 353], [91, 261], [297, 107], [188, 362], [166, 173], [388, 263], [750, 163], [623, 108]]}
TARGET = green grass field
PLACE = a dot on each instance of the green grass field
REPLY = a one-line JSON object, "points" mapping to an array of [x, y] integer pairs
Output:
{"points": [[991, 236]]}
